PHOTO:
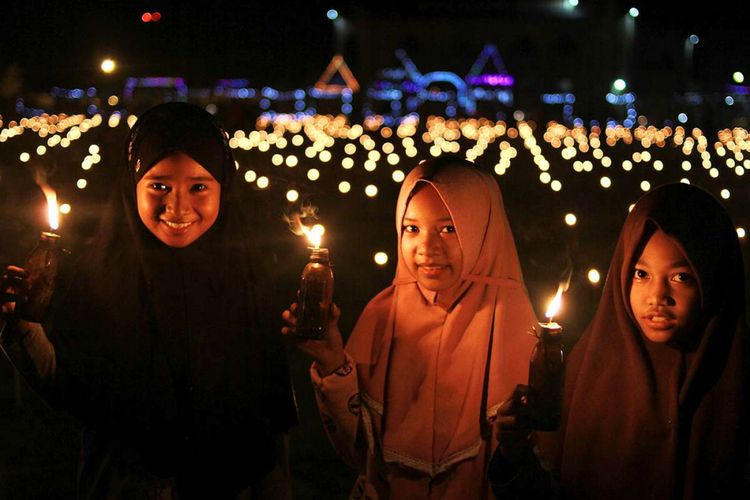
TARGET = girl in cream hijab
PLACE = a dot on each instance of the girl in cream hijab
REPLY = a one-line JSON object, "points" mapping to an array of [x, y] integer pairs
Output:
{"points": [[412, 398]]}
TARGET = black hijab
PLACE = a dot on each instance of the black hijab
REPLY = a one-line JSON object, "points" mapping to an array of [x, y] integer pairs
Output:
{"points": [[646, 420], [167, 351]]}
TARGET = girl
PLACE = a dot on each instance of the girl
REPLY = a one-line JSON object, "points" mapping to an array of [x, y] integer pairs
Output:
{"points": [[160, 346], [656, 397], [411, 400]]}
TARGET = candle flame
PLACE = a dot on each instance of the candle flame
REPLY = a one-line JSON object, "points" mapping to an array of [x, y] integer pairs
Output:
{"points": [[555, 303], [53, 212]]}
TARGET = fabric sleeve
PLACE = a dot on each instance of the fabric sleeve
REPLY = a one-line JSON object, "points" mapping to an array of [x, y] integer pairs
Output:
{"points": [[29, 350], [338, 400]]}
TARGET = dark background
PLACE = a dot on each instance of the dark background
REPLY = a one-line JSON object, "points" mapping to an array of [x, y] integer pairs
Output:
{"points": [[287, 45]]}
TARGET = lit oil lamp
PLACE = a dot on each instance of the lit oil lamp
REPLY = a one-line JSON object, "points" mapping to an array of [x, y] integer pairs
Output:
{"points": [[547, 370], [42, 266], [316, 288]]}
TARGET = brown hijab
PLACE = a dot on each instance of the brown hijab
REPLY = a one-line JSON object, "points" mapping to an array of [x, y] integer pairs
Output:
{"points": [[432, 373], [647, 420]]}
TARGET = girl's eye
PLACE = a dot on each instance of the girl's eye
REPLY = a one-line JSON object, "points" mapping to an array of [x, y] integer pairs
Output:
{"points": [[199, 187], [640, 274], [158, 186], [683, 277], [410, 228], [449, 229]]}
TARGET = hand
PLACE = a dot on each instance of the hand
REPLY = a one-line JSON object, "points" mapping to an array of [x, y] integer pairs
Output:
{"points": [[512, 426], [327, 352], [13, 288]]}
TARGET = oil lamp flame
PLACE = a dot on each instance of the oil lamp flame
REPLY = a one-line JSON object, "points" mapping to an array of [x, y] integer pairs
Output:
{"points": [[314, 234], [52, 209], [554, 305]]}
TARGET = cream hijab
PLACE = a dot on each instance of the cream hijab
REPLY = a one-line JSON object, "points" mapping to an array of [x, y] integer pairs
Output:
{"points": [[432, 376]]}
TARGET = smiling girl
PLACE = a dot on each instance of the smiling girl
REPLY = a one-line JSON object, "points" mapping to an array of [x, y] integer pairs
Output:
{"points": [[161, 347], [411, 400]]}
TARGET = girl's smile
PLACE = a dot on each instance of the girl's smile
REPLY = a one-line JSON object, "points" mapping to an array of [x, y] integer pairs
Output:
{"points": [[178, 200]]}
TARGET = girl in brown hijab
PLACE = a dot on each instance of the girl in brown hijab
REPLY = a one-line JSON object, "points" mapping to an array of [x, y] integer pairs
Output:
{"points": [[411, 399], [656, 397]]}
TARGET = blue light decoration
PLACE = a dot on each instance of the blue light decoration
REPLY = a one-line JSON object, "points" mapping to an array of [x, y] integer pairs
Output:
{"points": [[28, 112], [627, 100], [407, 89], [738, 89], [158, 82], [499, 78], [460, 96], [490, 82], [283, 102], [72, 94], [397, 87], [234, 88], [566, 99]]}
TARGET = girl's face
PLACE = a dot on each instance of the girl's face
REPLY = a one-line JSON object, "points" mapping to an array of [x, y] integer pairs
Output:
{"points": [[429, 242], [664, 293], [178, 200]]}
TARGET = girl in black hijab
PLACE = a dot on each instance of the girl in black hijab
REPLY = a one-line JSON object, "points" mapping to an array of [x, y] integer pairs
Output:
{"points": [[160, 346]]}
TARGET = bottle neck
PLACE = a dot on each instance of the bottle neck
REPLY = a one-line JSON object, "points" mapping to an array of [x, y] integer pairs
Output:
{"points": [[319, 255], [49, 238]]}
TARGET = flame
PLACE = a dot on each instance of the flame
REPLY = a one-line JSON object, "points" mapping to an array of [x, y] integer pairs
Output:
{"points": [[556, 303], [314, 234], [562, 287], [52, 211]]}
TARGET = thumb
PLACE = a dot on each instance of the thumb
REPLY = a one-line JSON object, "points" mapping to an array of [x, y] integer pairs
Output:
{"points": [[335, 312]]}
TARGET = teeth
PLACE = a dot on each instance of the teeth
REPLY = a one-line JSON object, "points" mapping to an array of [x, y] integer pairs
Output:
{"points": [[177, 225], [659, 319]]}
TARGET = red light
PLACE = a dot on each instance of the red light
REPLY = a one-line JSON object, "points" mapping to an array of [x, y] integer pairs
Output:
{"points": [[146, 17], [156, 16]]}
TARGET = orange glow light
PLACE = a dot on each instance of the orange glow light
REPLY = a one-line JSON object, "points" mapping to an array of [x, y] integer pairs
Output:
{"points": [[52, 210], [556, 303]]}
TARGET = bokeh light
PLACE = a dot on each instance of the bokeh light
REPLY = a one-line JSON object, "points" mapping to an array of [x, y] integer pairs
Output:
{"points": [[380, 258], [292, 195], [594, 276], [108, 65]]}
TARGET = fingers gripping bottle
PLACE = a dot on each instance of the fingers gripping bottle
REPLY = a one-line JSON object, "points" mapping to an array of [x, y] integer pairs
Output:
{"points": [[315, 296]]}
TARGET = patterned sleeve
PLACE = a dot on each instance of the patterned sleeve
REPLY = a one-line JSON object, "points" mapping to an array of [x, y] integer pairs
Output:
{"points": [[338, 401]]}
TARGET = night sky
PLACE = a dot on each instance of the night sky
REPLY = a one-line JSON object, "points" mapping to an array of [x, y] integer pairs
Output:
{"points": [[286, 44]]}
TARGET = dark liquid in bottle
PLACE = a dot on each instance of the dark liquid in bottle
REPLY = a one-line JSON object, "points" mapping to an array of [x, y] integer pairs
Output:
{"points": [[41, 267], [546, 373], [315, 296]]}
